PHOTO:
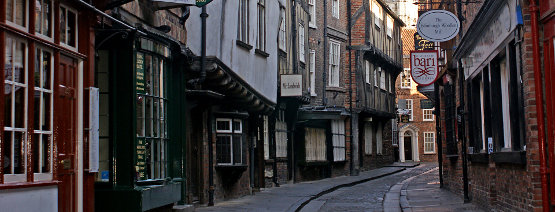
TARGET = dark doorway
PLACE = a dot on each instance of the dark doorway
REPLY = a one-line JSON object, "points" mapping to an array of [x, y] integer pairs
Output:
{"points": [[408, 146]]}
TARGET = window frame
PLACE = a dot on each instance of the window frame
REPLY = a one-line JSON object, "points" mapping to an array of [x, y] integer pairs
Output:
{"points": [[335, 9], [367, 67], [334, 63], [431, 114], [302, 46], [312, 13], [49, 37], [368, 138], [45, 176], [231, 133], [282, 33], [430, 142], [316, 148], [382, 79], [411, 109], [281, 134], [64, 43], [379, 139], [389, 26], [406, 76], [261, 38], [378, 14], [22, 177], [338, 140], [312, 73], [243, 21], [13, 23]]}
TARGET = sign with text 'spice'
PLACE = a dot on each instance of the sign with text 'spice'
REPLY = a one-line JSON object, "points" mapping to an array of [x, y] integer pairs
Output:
{"points": [[424, 68]]}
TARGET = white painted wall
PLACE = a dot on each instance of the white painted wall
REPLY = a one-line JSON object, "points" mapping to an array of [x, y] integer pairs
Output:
{"points": [[260, 72], [44, 199]]}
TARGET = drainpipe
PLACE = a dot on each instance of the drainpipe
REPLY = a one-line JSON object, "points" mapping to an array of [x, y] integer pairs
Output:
{"points": [[351, 148], [437, 112], [295, 71], [324, 74], [539, 103], [200, 80], [210, 160], [462, 113]]}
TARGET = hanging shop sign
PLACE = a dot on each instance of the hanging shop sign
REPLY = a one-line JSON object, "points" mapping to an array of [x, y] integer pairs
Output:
{"points": [[438, 25], [291, 85], [422, 44], [424, 69], [167, 4], [405, 118]]}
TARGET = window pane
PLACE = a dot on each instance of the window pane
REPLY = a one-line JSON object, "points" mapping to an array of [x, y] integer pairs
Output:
{"points": [[18, 63], [222, 125], [46, 17], [155, 119], [38, 16], [7, 166], [148, 117], [223, 149], [237, 126], [36, 117], [148, 74], [71, 28], [140, 116], [9, 10], [45, 154], [46, 58], [36, 153], [19, 153], [148, 159], [237, 149], [8, 105], [46, 114], [63, 30], [20, 14], [19, 107]]}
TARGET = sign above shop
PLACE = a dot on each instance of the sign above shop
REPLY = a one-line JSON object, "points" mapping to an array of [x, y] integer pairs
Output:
{"points": [[438, 25], [422, 44], [166, 4], [424, 69], [291, 85]]}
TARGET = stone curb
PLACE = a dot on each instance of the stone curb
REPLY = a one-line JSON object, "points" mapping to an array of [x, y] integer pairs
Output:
{"points": [[396, 198]]}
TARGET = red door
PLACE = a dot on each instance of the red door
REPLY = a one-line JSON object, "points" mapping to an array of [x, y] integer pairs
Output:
{"points": [[66, 132]]}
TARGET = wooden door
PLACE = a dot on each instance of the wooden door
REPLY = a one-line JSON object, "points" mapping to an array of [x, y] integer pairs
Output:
{"points": [[65, 104], [408, 147]]}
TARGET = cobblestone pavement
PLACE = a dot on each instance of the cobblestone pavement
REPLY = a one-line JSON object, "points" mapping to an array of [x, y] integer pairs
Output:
{"points": [[368, 196]]}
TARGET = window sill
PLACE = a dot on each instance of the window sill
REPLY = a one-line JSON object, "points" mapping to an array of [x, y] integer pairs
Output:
{"points": [[261, 53], [478, 158], [244, 45], [150, 182], [27, 184], [227, 167], [340, 161], [429, 153], [515, 157], [314, 163]]}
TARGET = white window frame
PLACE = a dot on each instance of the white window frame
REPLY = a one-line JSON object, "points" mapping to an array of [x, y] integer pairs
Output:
{"points": [[382, 79], [378, 14], [389, 28], [49, 37], [312, 71], [312, 13], [301, 43], [243, 21], [282, 30], [338, 140], [12, 178], [334, 63], [335, 9], [429, 142], [404, 76], [230, 133], [368, 138], [45, 176], [367, 66], [64, 43], [281, 135], [261, 37], [24, 28], [427, 114], [410, 107]]}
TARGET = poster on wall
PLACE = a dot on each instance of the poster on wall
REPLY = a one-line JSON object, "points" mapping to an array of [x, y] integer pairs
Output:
{"points": [[424, 68]]}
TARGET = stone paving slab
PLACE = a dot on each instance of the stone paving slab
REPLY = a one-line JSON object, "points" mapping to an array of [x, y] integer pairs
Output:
{"points": [[290, 197]]}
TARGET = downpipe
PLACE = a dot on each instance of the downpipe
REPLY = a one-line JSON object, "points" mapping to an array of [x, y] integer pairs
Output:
{"points": [[533, 8]]}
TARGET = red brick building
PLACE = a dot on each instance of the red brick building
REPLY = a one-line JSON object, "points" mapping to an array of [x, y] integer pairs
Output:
{"points": [[492, 124]]}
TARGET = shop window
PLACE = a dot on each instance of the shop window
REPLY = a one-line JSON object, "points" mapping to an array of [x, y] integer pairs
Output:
{"points": [[43, 110], [16, 13], [282, 30], [301, 43], [379, 139], [335, 9], [315, 144], [281, 135], [312, 73], [68, 26], [229, 141], [261, 38], [312, 13], [427, 114], [429, 143], [368, 137], [334, 64], [15, 110], [243, 21], [406, 79], [151, 112], [43, 17], [338, 139]]}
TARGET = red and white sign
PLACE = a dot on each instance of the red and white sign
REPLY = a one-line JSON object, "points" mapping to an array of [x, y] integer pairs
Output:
{"points": [[424, 69]]}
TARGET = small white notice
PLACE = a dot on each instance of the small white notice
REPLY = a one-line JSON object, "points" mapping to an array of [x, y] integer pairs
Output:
{"points": [[94, 95]]}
